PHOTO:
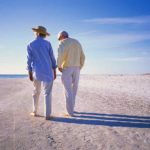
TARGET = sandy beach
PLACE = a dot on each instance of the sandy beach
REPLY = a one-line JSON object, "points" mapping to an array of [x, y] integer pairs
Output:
{"points": [[112, 113]]}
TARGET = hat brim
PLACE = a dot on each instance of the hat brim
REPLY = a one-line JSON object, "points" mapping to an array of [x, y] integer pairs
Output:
{"points": [[39, 31]]}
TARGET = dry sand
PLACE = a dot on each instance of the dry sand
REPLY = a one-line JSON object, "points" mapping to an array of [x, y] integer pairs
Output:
{"points": [[113, 113]]}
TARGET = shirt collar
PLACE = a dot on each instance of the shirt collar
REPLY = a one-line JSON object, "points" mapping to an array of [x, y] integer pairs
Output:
{"points": [[64, 40], [39, 37]]}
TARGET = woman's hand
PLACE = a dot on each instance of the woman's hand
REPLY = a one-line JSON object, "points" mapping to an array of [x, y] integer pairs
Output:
{"points": [[30, 75]]}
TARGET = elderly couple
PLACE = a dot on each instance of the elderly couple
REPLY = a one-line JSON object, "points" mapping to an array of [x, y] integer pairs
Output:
{"points": [[41, 66]]}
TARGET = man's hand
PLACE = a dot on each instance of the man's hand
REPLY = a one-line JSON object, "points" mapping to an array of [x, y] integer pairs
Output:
{"points": [[30, 75], [60, 69], [55, 74]]}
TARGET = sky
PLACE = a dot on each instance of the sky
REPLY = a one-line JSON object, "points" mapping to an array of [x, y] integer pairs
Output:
{"points": [[114, 34]]}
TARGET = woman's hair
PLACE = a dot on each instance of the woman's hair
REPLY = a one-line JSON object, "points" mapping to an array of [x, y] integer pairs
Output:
{"points": [[42, 35]]}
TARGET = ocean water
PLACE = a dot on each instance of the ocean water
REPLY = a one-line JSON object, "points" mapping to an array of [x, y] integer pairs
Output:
{"points": [[13, 76], [5, 76]]}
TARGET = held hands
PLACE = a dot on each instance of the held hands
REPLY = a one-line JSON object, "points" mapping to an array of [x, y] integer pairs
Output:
{"points": [[60, 69]]}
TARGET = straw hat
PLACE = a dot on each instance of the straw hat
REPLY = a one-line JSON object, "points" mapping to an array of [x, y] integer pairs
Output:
{"points": [[41, 29]]}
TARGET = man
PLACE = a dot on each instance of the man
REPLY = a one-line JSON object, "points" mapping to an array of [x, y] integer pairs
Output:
{"points": [[70, 60], [41, 66]]}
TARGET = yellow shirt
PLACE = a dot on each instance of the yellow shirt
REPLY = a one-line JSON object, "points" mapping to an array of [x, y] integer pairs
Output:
{"points": [[70, 54]]}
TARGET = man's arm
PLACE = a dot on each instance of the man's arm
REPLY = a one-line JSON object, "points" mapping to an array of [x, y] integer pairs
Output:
{"points": [[60, 58], [82, 58], [59, 61]]}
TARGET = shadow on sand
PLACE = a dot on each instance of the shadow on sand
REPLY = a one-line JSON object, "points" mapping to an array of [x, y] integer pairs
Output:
{"points": [[112, 120]]}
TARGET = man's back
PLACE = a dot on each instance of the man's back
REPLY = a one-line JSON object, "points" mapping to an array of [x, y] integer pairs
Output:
{"points": [[72, 53]]}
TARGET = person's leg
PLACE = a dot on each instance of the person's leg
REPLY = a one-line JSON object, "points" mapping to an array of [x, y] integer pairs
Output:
{"points": [[67, 82], [75, 81], [35, 95], [47, 98]]}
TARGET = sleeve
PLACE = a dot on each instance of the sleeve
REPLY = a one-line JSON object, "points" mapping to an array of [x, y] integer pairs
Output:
{"points": [[60, 58], [53, 60], [82, 58], [29, 58]]}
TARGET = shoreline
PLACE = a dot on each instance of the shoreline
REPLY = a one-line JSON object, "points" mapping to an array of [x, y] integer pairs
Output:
{"points": [[7, 76]]}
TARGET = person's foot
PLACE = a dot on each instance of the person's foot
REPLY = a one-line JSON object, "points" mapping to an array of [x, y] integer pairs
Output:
{"points": [[68, 115], [33, 114], [76, 112], [49, 117]]}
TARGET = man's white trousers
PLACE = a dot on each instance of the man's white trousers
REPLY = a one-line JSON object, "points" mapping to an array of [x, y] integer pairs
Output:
{"points": [[70, 80]]}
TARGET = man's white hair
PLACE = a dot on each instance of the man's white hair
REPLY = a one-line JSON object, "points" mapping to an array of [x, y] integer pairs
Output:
{"points": [[64, 33]]}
